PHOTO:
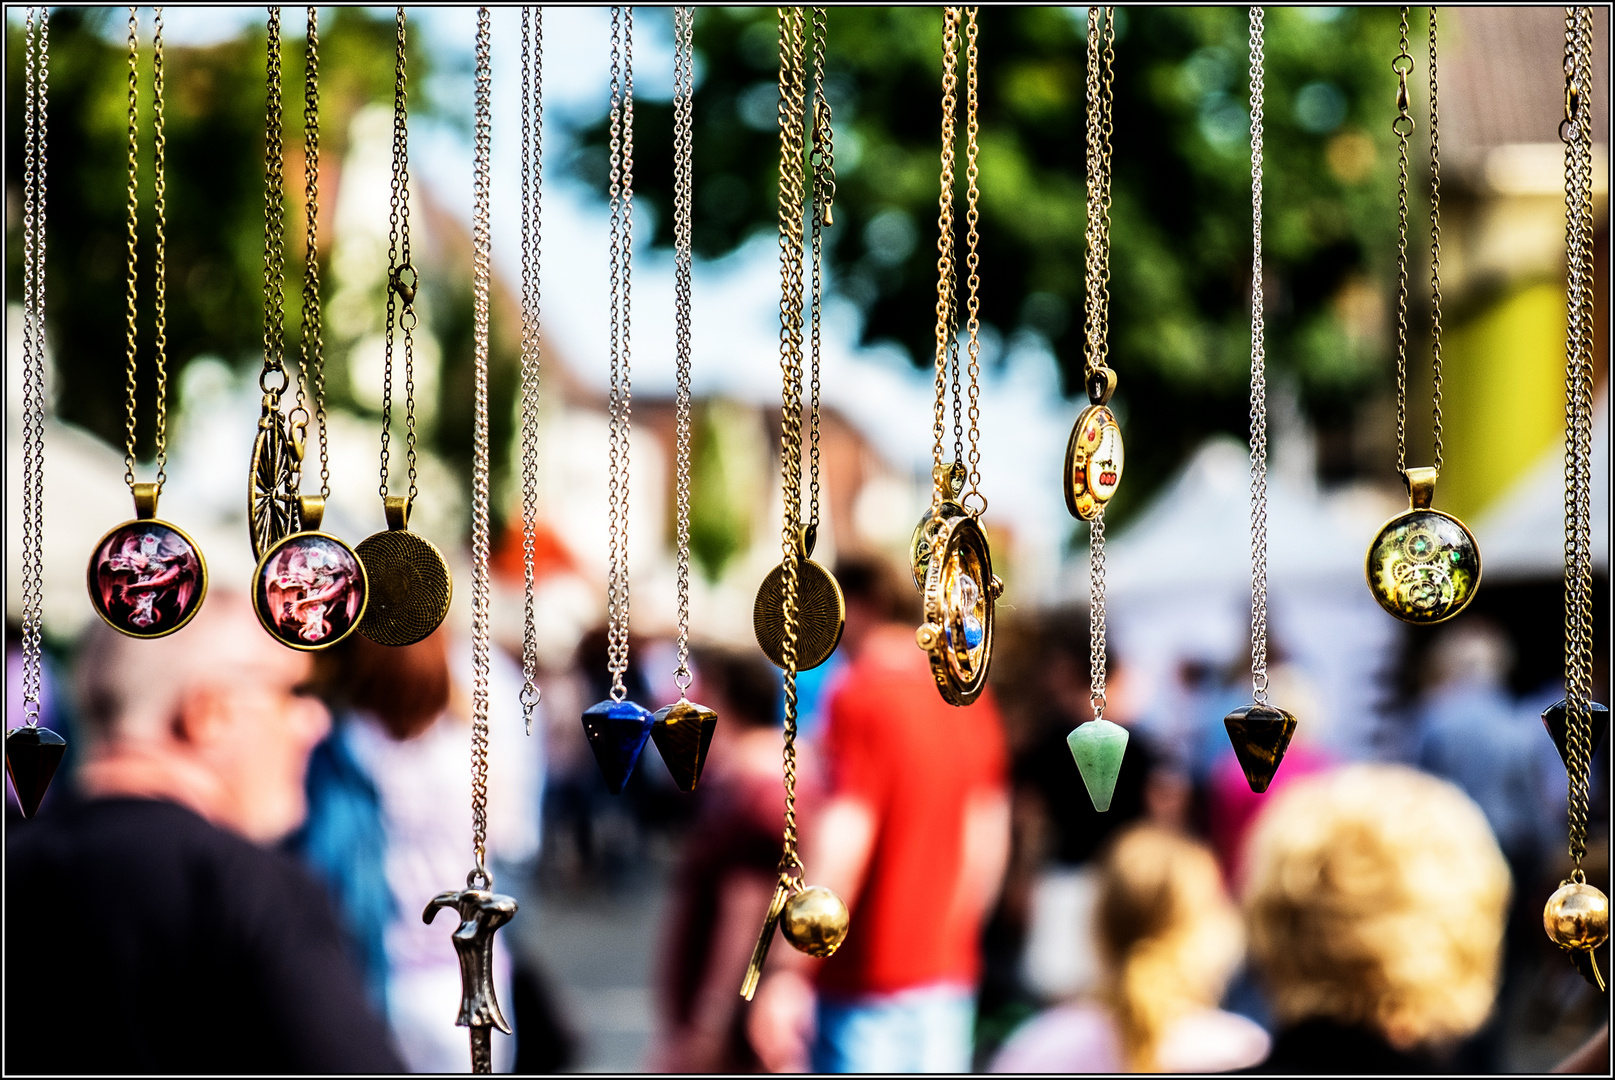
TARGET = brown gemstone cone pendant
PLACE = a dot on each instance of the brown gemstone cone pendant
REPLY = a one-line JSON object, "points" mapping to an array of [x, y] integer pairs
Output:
{"points": [[32, 756], [1557, 720], [683, 734], [1260, 734]]}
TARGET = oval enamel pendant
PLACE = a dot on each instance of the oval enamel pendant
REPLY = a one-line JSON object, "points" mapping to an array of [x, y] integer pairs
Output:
{"points": [[960, 594], [310, 590], [147, 578], [1093, 454], [408, 580], [1423, 566]]}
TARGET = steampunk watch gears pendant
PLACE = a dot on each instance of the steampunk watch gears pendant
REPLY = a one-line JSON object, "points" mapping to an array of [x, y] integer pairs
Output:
{"points": [[146, 578], [1423, 566]]}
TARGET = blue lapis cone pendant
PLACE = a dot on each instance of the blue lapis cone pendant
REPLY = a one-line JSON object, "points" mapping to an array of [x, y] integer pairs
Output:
{"points": [[617, 731]]}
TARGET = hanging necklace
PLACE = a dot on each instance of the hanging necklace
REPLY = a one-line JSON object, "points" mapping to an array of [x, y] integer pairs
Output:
{"points": [[1260, 732], [616, 727], [1423, 565], [683, 730], [820, 606], [813, 919], [33, 752], [1576, 917], [1094, 453], [532, 228], [482, 911], [408, 577], [309, 590], [960, 588], [147, 578]]}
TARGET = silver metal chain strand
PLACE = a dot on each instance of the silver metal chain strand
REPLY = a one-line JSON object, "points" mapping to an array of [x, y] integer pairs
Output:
{"points": [[402, 280], [1096, 615], [482, 243], [683, 94], [532, 231], [36, 49], [1101, 56], [622, 242], [1258, 407]]}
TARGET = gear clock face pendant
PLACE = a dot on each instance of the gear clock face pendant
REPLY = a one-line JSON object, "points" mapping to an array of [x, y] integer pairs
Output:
{"points": [[1423, 566]]}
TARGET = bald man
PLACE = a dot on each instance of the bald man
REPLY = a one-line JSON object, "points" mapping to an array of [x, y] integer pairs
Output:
{"points": [[152, 927]]}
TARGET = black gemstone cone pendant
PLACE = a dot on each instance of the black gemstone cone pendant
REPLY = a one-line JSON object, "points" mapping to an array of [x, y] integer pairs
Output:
{"points": [[683, 733], [1260, 734], [617, 731], [32, 755], [1557, 720]]}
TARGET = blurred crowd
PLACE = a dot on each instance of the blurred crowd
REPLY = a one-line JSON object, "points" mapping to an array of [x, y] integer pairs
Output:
{"points": [[245, 834]]}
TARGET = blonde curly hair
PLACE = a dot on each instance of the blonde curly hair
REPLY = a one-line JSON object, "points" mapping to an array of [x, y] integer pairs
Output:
{"points": [[1376, 895]]}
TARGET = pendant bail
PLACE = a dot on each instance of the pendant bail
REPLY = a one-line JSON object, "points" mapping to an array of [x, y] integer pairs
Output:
{"points": [[1421, 485], [397, 508], [146, 499], [311, 511], [806, 541]]}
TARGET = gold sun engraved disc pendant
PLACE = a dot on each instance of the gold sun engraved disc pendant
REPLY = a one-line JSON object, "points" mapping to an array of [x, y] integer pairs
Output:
{"points": [[409, 586], [146, 578], [960, 594], [950, 480], [821, 610], [1423, 566], [1093, 454], [310, 590], [277, 454]]}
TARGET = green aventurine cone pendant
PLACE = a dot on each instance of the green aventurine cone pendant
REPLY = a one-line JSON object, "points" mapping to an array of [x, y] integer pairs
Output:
{"points": [[32, 754], [1260, 734], [1098, 747], [1557, 720], [683, 732]]}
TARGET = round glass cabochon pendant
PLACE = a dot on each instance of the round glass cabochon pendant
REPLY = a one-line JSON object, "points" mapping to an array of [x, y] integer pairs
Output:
{"points": [[1093, 462], [310, 590], [147, 578], [1423, 566]]}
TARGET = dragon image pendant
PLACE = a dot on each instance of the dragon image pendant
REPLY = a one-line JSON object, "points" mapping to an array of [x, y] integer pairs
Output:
{"points": [[146, 578]]}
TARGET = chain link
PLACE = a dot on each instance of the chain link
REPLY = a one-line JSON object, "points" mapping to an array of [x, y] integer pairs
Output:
{"points": [[621, 401], [973, 499], [1435, 244], [158, 263], [532, 231], [274, 214], [36, 52], [683, 94], [1258, 392], [482, 244], [313, 345], [403, 281], [945, 334], [823, 196], [1101, 60], [133, 259]]}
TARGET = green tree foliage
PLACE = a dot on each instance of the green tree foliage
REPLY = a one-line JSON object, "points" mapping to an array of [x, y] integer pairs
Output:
{"points": [[1180, 259]]}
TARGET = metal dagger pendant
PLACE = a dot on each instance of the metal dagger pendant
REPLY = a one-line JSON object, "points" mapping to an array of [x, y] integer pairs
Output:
{"points": [[482, 911]]}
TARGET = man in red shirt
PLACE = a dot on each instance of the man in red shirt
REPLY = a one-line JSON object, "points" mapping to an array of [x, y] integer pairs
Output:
{"points": [[915, 837]]}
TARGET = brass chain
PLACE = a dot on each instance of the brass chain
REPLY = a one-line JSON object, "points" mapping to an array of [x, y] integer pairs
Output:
{"points": [[403, 282], [973, 268], [312, 371], [946, 335], [1101, 61], [158, 263], [683, 107], [532, 230], [823, 168], [1435, 244], [482, 245], [1576, 130], [274, 216], [36, 64], [791, 112], [1258, 391], [621, 197]]}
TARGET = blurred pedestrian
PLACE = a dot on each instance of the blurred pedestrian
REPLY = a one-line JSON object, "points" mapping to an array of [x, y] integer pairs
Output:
{"points": [[914, 835], [728, 869], [1374, 901], [190, 945], [1169, 940]]}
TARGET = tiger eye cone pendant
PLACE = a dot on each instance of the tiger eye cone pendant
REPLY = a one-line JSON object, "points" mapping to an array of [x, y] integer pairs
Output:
{"points": [[1556, 719], [32, 755], [1260, 734], [617, 731], [1098, 747], [683, 734]]}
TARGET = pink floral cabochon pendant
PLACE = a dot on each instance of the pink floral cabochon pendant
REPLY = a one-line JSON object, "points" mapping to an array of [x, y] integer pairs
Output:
{"points": [[310, 590], [147, 578]]}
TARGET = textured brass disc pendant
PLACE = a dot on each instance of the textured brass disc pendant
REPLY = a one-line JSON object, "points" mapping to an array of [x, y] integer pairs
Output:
{"points": [[821, 611], [1093, 454], [310, 589], [32, 755], [408, 580], [960, 594], [1260, 734], [951, 478], [683, 734], [1423, 566], [147, 578]]}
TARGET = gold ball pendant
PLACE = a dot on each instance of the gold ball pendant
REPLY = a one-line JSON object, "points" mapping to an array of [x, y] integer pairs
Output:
{"points": [[815, 921], [1577, 917]]}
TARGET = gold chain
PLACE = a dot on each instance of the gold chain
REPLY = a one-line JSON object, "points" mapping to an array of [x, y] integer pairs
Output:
{"points": [[973, 265], [1402, 127], [158, 264], [945, 275], [403, 281], [274, 216], [823, 197]]}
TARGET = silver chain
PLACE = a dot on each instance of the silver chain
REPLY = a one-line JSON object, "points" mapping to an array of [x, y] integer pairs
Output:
{"points": [[683, 94], [532, 234], [482, 242], [622, 241], [401, 290], [1258, 415], [1101, 37], [36, 50]]}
